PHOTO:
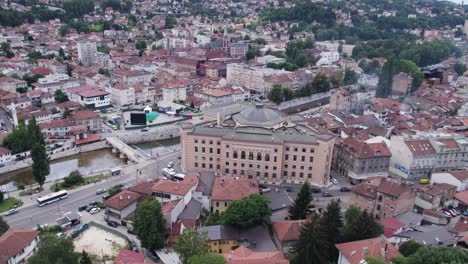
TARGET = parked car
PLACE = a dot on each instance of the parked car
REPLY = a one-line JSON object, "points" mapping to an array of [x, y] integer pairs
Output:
{"points": [[334, 181], [95, 210], [112, 223], [327, 194], [447, 210], [18, 158], [170, 164], [100, 191], [152, 254], [446, 214], [315, 190], [453, 211], [11, 211], [134, 246], [82, 208], [89, 208], [424, 181], [93, 203], [345, 189], [130, 231], [61, 234], [145, 129], [465, 212]]}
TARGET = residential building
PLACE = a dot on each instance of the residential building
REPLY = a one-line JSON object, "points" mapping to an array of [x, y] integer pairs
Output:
{"points": [[122, 95], [257, 142], [270, 59], [175, 91], [42, 116], [401, 84], [221, 238], [238, 49], [89, 96], [355, 252], [126, 256], [243, 255], [87, 53], [88, 119], [457, 178], [5, 155], [122, 205], [434, 196], [428, 235], [342, 100], [286, 233], [11, 84], [17, 245], [57, 127], [359, 160], [221, 96], [55, 66], [54, 82], [168, 191], [130, 78], [227, 189], [40, 98], [452, 153], [383, 197], [249, 76]]}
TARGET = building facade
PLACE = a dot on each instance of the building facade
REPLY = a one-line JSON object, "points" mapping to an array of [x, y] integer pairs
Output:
{"points": [[342, 100], [401, 84], [260, 143], [87, 53]]}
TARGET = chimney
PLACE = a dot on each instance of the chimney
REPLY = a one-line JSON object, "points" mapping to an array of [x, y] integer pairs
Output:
{"points": [[365, 250]]}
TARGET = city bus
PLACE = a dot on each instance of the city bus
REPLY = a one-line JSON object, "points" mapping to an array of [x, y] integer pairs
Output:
{"points": [[52, 197]]}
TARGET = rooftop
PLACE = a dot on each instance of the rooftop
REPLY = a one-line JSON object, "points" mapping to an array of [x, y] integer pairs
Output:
{"points": [[243, 255], [288, 230], [122, 200], [233, 189], [13, 241], [356, 251]]}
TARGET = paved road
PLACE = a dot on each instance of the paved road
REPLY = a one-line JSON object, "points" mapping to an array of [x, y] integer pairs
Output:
{"points": [[31, 215]]}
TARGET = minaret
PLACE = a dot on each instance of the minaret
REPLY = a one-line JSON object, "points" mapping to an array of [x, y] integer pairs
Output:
{"points": [[13, 114]]}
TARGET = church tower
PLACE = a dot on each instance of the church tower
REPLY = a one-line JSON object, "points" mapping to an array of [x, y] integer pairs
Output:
{"points": [[226, 40]]}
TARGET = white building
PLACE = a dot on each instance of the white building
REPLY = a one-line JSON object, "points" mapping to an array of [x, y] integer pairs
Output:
{"points": [[132, 77], [176, 91], [250, 76], [122, 95], [328, 57], [87, 53], [53, 82], [89, 96], [17, 245], [270, 59], [457, 178], [5, 155]]}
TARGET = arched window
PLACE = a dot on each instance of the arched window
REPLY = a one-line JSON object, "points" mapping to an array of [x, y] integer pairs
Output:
{"points": [[243, 155], [251, 155], [259, 156], [267, 157], [234, 155]]}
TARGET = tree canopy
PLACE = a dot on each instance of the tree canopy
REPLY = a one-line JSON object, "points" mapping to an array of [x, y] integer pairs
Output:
{"points": [[300, 207], [150, 225], [207, 259], [3, 226], [360, 225], [249, 211], [190, 244], [54, 250]]}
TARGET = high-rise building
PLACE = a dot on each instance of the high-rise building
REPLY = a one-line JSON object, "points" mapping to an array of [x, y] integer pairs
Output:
{"points": [[259, 143], [87, 53]]}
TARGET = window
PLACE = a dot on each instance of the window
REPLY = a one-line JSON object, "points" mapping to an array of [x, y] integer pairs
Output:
{"points": [[196, 164], [295, 149], [251, 165], [196, 141], [203, 141], [285, 166], [274, 167], [203, 149], [380, 198], [203, 165], [227, 171], [303, 158], [266, 174], [273, 175], [258, 174], [227, 163], [218, 167], [286, 157], [301, 175], [309, 175], [225, 204], [196, 149], [234, 164], [243, 155], [227, 154], [259, 156], [311, 159], [234, 171], [251, 155], [294, 167], [275, 159], [293, 174], [285, 173], [310, 168], [227, 146], [287, 148], [217, 204], [211, 150], [234, 155], [218, 143], [295, 158], [311, 150], [266, 167], [392, 208], [242, 165], [276, 150], [242, 172], [302, 167], [218, 151], [303, 150], [211, 142], [267, 157]]}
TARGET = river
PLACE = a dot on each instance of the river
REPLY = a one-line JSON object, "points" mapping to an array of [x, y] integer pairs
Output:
{"points": [[89, 162]]}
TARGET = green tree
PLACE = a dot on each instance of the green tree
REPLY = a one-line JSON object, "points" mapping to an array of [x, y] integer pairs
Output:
{"points": [[3, 226], [459, 68], [276, 94], [191, 243], [60, 96], [374, 260], [150, 225], [430, 255], [18, 140], [34, 132], [207, 259], [312, 244], [1, 197], [170, 22], [384, 86], [249, 211], [104, 71], [360, 225], [40, 166], [85, 259], [300, 207], [350, 77], [251, 53], [54, 250], [409, 248], [333, 223], [288, 94], [320, 84]]}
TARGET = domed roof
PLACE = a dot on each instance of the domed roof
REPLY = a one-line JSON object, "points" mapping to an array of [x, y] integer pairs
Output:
{"points": [[258, 116]]}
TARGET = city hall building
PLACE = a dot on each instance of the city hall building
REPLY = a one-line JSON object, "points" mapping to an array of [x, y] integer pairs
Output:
{"points": [[258, 142]]}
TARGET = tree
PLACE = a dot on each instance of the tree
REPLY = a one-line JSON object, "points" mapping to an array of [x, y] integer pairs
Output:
{"points": [[374, 260], [40, 166], [1, 197], [320, 84], [3, 226], [300, 206], [251, 53], [207, 259], [54, 250], [276, 94], [311, 245], [85, 259], [333, 223], [431, 255], [360, 225], [191, 243], [60, 96], [170, 22], [18, 140], [249, 211], [150, 225], [409, 248], [459, 69], [384, 87], [34, 131], [350, 77]]}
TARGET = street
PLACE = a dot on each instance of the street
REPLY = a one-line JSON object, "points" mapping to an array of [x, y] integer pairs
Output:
{"points": [[31, 215]]}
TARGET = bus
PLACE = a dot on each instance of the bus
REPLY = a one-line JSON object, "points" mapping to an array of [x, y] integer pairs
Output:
{"points": [[52, 197]]}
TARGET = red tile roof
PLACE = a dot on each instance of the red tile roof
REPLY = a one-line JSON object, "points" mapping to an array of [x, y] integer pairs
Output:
{"points": [[169, 206], [460, 175], [144, 188], [84, 114], [420, 147], [90, 138], [13, 241], [366, 150], [126, 256], [171, 187], [391, 225], [122, 200], [462, 197], [288, 230], [233, 189], [356, 251], [4, 151], [392, 187], [243, 255], [462, 224], [449, 143]]}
